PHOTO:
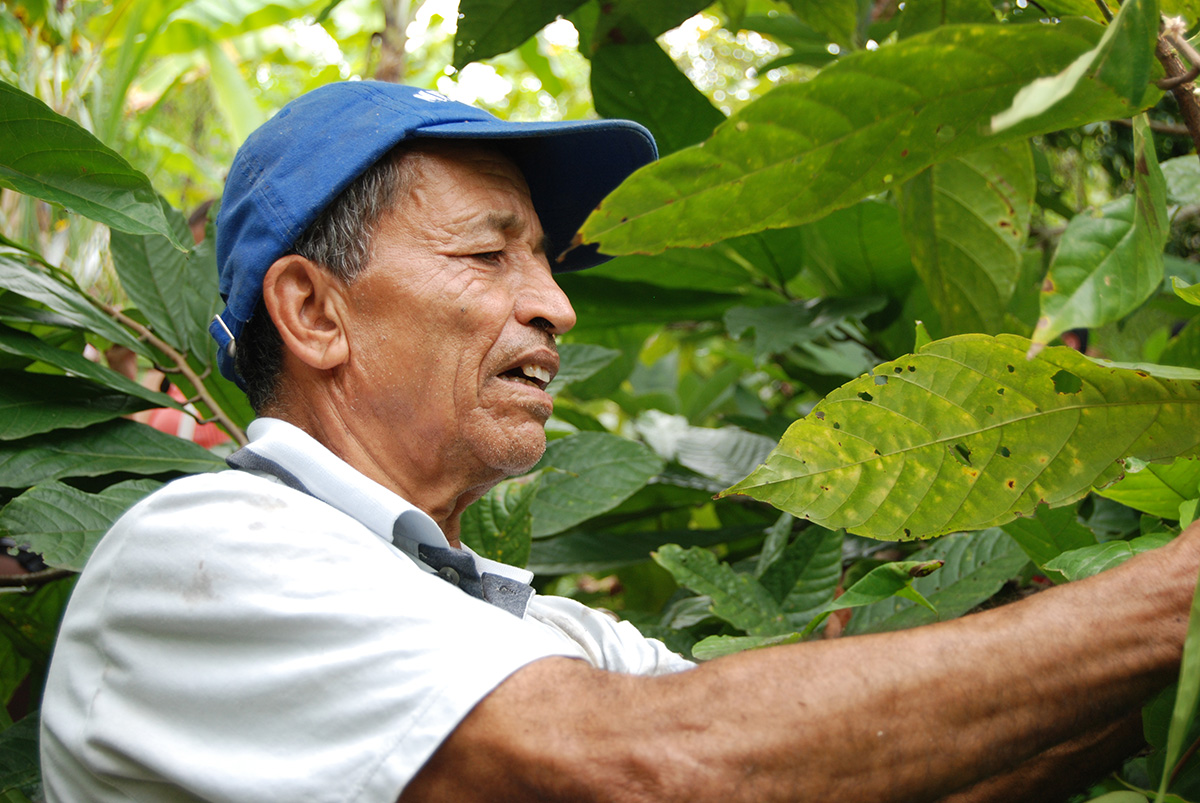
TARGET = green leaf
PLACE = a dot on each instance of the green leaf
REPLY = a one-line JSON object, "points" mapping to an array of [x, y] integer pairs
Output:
{"points": [[233, 95], [976, 566], [50, 157], [29, 623], [594, 472], [719, 646], [635, 21], [58, 291], [889, 580], [1188, 292], [114, 446], [1119, 797], [23, 344], [778, 328], [1122, 60], [1158, 488], [1080, 563], [839, 20], [603, 303], [919, 16], [488, 28], [966, 221], [175, 291], [640, 82], [1182, 175], [801, 150], [1107, 265], [600, 552], [736, 598], [63, 523], [19, 764], [499, 525], [968, 434], [578, 361], [726, 454], [859, 251], [1049, 532], [807, 46], [1188, 693], [805, 577], [34, 403]]}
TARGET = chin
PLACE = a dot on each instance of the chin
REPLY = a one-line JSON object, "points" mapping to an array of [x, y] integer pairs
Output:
{"points": [[515, 452]]}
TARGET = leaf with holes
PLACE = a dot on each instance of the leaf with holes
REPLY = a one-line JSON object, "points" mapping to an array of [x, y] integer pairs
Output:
{"points": [[968, 433], [1107, 265], [801, 151], [965, 221], [64, 524]]}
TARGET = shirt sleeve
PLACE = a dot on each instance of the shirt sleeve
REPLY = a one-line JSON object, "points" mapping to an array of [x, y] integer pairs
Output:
{"points": [[234, 640]]}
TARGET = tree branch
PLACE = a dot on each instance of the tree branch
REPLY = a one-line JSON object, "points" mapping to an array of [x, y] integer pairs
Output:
{"points": [[1183, 89], [182, 366], [33, 578]]}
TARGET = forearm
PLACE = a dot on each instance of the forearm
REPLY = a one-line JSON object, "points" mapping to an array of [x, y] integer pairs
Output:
{"points": [[903, 716]]}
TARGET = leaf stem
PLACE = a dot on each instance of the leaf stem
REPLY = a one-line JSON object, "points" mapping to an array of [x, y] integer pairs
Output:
{"points": [[1104, 9], [182, 366]]}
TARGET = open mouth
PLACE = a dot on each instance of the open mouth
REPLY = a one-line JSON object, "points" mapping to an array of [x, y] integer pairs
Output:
{"points": [[533, 375]]}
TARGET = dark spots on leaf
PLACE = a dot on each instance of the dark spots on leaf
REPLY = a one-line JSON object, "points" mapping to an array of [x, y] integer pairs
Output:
{"points": [[1048, 286], [1011, 369], [624, 220], [1004, 452], [866, 396], [907, 533], [836, 425], [1067, 382], [824, 487], [990, 409], [1141, 167], [820, 414], [1042, 459], [877, 452], [904, 152], [912, 369], [882, 380], [1000, 391], [963, 454], [1011, 484], [1142, 374], [900, 370]]}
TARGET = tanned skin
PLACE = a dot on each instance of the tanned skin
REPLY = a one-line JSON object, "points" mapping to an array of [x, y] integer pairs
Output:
{"points": [[407, 374]]}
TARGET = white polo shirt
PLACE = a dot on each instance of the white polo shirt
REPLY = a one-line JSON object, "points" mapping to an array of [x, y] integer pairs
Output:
{"points": [[236, 639]]}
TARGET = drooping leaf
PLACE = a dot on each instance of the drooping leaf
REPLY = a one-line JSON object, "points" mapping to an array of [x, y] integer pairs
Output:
{"points": [[23, 344], [859, 251], [488, 28], [1158, 488], [233, 95], [51, 157], [726, 454], [919, 16], [34, 403], [598, 551], [591, 472], [966, 221], [889, 580], [578, 361], [602, 303], [736, 597], [1122, 60], [1048, 533], [640, 82], [1188, 292], [1106, 266], [778, 328], [19, 763], [839, 20], [968, 433], [1087, 561], [64, 524], [114, 446], [710, 269], [976, 566], [500, 524], [805, 577], [801, 151]]}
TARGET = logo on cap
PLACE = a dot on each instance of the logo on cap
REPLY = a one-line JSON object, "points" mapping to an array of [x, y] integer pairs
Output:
{"points": [[432, 97]]}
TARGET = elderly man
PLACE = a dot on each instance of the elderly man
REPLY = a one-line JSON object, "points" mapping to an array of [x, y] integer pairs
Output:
{"points": [[308, 626]]}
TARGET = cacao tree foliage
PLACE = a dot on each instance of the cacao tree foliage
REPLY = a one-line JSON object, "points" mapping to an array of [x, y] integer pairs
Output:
{"points": [[904, 322]]}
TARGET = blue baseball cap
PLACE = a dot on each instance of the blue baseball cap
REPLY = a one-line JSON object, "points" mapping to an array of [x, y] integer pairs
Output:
{"points": [[298, 162]]}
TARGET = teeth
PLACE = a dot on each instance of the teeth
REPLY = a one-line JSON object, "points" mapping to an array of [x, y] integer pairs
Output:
{"points": [[536, 372]]}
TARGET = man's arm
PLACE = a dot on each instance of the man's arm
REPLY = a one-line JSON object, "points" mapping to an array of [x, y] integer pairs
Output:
{"points": [[907, 716]]}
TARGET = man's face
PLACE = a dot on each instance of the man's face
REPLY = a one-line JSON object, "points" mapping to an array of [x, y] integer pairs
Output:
{"points": [[453, 320]]}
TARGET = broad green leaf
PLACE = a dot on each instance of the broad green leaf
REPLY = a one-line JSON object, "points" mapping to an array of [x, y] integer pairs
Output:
{"points": [[1183, 349], [1188, 292], [1048, 533], [889, 580], [63, 523], [839, 20], [726, 454], [1107, 265], [499, 525], [736, 597], [29, 623], [578, 361], [634, 21], [778, 328], [806, 575], [719, 646], [597, 551], [801, 150], [175, 291], [1072, 8], [716, 269], [233, 95], [19, 762], [1119, 797], [201, 21], [488, 28], [774, 546], [859, 251], [58, 291], [640, 82], [919, 16], [976, 566], [1182, 175], [1158, 488], [34, 403], [50, 157], [1188, 693], [604, 303], [966, 221], [807, 46], [114, 446], [23, 344], [969, 433], [592, 472], [1122, 60], [1087, 561]]}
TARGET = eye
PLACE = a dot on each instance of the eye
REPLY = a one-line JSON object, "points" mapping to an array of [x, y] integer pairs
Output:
{"points": [[489, 256]]}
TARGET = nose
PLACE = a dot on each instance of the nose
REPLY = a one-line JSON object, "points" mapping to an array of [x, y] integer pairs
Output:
{"points": [[543, 304]]}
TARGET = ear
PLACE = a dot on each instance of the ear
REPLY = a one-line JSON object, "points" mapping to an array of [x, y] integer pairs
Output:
{"points": [[306, 302]]}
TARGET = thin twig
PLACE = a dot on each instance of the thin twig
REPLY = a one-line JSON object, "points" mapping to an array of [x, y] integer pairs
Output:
{"points": [[1104, 9], [1188, 108], [1184, 48], [1187, 754], [182, 365], [1159, 127], [33, 578]]}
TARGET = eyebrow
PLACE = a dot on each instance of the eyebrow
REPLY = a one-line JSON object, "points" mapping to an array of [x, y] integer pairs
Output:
{"points": [[506, 221]]}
